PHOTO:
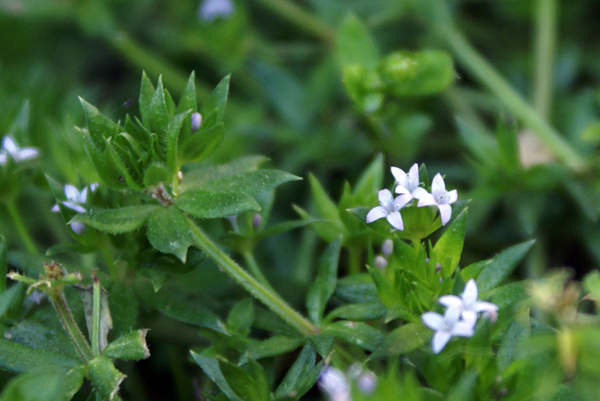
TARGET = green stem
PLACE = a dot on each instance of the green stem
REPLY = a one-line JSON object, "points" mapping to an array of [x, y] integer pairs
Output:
{"points": [[110, 263], [254, 269], [545, 38], [18, 221], [485, 73], [266, 296], [96, 305], [300, 18], [66, 318]]}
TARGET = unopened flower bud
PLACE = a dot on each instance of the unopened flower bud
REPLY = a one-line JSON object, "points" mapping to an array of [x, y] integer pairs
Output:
{"points": [[388, 247], [380, 262], [256, 219], [196, 121], [366, 382]]}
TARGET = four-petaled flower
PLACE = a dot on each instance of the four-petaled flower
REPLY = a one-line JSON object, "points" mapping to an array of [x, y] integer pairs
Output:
{"points": [[74, 201], [408, 183], [440, 197], [447, 326], [468, 305], [10, 148], [390, 209]]}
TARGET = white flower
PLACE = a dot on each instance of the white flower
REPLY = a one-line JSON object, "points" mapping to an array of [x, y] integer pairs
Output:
{"points": [[439, 197], [10, 148], [446, 327], [408, 183], [468, 305], [335, 384], [213, 9], [390, 209], [74, 201]]}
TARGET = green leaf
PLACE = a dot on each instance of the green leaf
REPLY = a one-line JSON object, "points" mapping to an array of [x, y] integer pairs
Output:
{"points": [[508, 294], [172, 138], [117, 221], [359, 312], [56, 385], [357, 288], [3, 265], [19, 358], [502, 266], [420, 73], [474, 269], [146, 94], [464, 389], [360, 334], [38, 336], [324, 285], [371, 179], [403, 340], [289, 386], [124, 168], [156, 173], [188, 97], [324, 229], [385, 289], [168, 232], [480, 143], [240, 318], [325, 206], [180, 306], [510, 347], [210, 205], [159, 116], [449, 247], [217, 100], [201, 144], [211, 367], [99, 126], [105, 378], [355, 44], [249, 182], [105, 323], [276, 345], [322, 343], [11, 300], [508, 143], [130, 346]]}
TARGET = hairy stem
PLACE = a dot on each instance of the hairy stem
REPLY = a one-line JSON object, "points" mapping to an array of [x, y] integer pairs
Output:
{"points": [[66, 319], [254, 269], [242, 277]]}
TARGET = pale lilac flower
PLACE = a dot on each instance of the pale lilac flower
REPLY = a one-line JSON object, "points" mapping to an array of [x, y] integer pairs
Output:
{"points": [[446, 327], [468, 305], [10, 148], [388, 247], [335, 384], [390, 209], [408, 183], [366, 382], [380, 262], [213, 9], [74, 201], [196, 121], [440, 198]]}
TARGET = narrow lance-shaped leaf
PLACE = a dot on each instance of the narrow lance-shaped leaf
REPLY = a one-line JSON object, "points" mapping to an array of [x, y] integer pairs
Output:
{"points": [[217, 100], [172, 138], [324, 285], [249, 182], [212, 369], [502, 266], [201, 144], [326, 207], [355, 44], [449, 247], [303, 364], [210, 205], [356, 333], [117, 221], [146, 94], [188, 97], [403, 340], [3, 270], [276, 345], [159, 115]]}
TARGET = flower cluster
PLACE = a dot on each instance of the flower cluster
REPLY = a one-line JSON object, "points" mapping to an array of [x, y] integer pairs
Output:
{"points": [[338, 385], [460, 316], [12, 150], [74, 201], [408, 188]]}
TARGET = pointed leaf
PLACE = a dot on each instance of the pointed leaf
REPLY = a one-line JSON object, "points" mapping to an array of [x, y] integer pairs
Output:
{"points": [[502, 266], [172, 138], [324, 285], [355, 44], [217, 99], [3, 265], [250, 182], [210, 205], [54, 384], [240, 318], [359, 312], [403, 340], [276, 345], [359, 334], [131, 346], [99, 126], [289, 386], [168, 232], [188, 97], [117, 221], [146, 94], [449, 247], [120, 162], [201, 144], [371, 180], [105, 378], [211, 367], [326, 207], [159, 115], [19, 358]]}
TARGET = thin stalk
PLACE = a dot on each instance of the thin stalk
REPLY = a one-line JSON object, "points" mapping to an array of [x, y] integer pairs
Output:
{"points": [[263, 294], [487, 75], [545, 39], [96, 305], [254, 269], [66, 319], [20, 226], [297, 16]]}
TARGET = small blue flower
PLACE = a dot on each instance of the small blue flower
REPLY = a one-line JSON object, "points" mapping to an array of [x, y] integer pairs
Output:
{"points": [[213, 9]]}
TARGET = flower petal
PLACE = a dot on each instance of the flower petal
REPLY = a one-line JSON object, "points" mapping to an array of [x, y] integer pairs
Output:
{"points": [[482, 306], [10, 145], [464, 328], [27, 153], [427, 199], [438, 185], [74, 206], [72, 193], [413, 176], [401, 190], [445, 213], [401, 201], [376, 213], [440, 339], [452, 196], [400, 176], [395, 219], [433, 320], [451, 301], [55, 209], [470, 294], [419, 192], [3, 158], [386, 199]]}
